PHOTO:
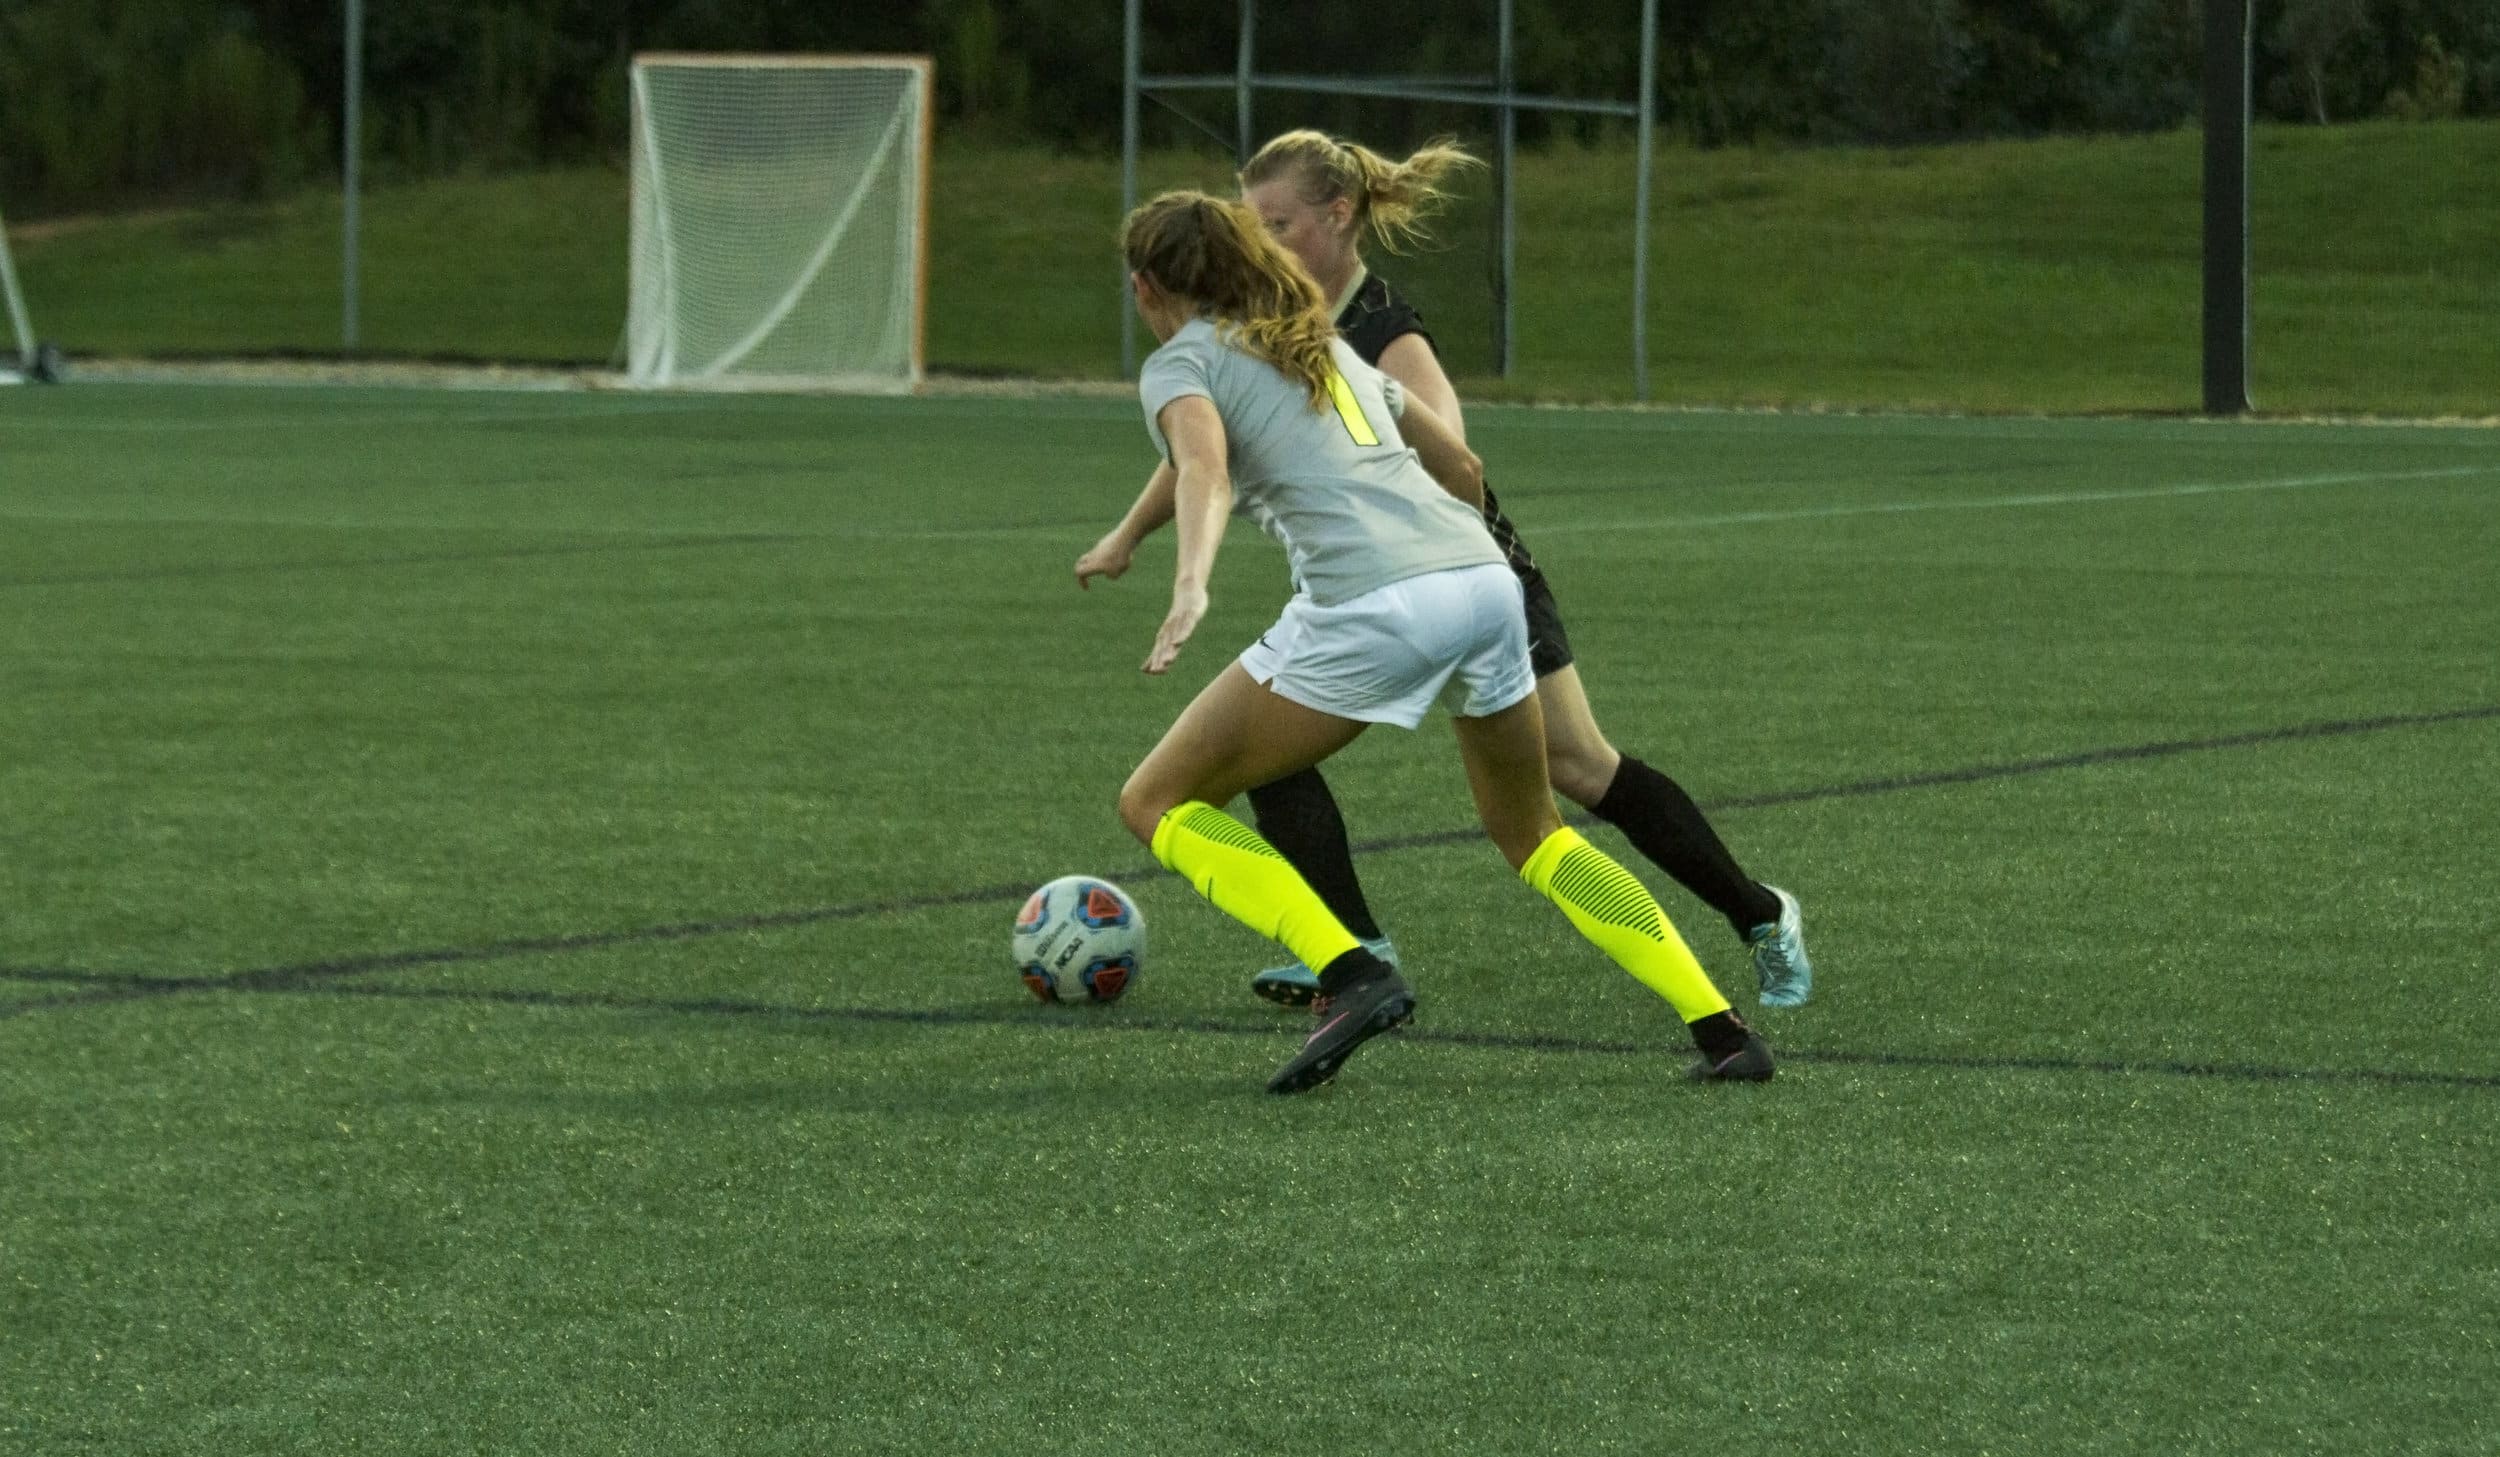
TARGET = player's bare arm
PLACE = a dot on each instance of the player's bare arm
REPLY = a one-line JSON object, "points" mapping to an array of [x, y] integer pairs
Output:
{"points": [[1202, 498], [1150, 513], [1443, 454], [1410, 361]]}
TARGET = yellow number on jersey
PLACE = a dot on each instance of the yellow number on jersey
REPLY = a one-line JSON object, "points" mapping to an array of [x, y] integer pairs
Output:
{"points": [[1350, 410]]}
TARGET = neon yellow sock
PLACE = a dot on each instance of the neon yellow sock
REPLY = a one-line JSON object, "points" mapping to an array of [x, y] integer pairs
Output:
{"points": [[1238, 870], [1616, 911]]}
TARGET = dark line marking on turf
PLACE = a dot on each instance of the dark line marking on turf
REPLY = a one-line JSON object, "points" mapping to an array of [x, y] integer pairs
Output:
{"points": [[101, 978], [1982, 773], [132, 992], [414, 559], [299, 974], [2165, 749]]}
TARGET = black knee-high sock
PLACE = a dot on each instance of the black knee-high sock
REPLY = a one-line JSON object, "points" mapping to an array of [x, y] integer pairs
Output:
{"points": [[1663, 823], [1299, 817]]}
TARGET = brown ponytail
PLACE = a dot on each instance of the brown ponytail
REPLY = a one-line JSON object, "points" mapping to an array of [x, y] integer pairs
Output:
{"points": [[1216, 255], [1394, 201]]}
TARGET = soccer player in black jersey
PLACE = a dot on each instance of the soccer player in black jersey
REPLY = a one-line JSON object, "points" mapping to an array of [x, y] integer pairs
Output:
{"points": [[1319, 197]]}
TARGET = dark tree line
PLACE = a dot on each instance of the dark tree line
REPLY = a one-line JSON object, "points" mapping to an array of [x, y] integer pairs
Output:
{"points": [[108, 101]]}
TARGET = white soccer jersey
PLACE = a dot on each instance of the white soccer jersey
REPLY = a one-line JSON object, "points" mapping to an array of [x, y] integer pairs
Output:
{"points": [[1338, 487]]}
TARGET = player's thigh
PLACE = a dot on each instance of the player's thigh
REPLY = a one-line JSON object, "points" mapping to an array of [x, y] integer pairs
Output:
{"points": [[1235, 735], [1578, 759], [1505, 757]]}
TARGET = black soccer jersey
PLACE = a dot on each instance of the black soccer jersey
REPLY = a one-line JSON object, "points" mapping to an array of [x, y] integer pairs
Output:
{"points": [[1377, 317]]}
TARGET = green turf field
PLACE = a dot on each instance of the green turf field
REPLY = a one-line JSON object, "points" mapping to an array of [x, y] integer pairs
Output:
{"points": [[504, 907], [2058, 274]]}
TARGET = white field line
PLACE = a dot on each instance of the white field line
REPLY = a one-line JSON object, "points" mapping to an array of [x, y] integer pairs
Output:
{"points": [[1993, 503], [349, 419], [1651, 523], [1803, 513], [589, 412], [1947, 424]]}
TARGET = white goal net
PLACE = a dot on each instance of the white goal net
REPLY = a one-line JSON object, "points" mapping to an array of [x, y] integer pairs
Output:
{"points": [[780, 221], [13, 306]]}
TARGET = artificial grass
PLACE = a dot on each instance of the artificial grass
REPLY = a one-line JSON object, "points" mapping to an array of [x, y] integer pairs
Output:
{"points": [[539, 872]]}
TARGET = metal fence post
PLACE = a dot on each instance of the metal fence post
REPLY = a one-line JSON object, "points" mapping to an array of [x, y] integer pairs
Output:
{"points": [[1647, 125], [2227, 43], [351, 146], [1133, 26], [1242, 72]]}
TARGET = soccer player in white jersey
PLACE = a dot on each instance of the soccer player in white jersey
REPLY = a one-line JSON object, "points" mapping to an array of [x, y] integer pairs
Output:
{"points": [[1321, 198], [1402, 600]]}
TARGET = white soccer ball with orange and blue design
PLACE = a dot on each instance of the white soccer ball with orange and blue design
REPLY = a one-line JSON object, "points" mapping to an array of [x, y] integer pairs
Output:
{"points": [[1079, 939]]}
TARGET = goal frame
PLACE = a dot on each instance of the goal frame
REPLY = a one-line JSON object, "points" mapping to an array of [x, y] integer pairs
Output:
{"points": [[30, 360], [924, 143]]}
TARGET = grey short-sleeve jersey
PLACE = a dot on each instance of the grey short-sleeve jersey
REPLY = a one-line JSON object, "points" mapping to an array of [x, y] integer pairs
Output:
{"points": [[1338, 487]]}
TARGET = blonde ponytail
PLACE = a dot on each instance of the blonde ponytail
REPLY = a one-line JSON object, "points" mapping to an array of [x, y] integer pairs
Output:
{"points": [[1393, 201], [1216, 255]]}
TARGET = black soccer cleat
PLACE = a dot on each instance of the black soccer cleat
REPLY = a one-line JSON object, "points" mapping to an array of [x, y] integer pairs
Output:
{"points": [[1750, 1063], [1366, 1007]]}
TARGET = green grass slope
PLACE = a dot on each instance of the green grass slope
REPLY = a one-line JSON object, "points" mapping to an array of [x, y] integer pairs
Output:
{"points": [[2058, 275]]}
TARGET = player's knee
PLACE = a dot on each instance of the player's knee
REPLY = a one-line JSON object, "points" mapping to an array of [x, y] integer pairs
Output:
{"points": [[1143, 804], [1580, 771]]}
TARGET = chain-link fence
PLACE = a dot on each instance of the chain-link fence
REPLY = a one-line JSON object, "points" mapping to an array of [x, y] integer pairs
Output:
{"points": [[1969, 203]]}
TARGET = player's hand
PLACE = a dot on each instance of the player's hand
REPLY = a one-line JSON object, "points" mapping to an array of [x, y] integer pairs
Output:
{"points": [[1107, 558], [1188, 605]]}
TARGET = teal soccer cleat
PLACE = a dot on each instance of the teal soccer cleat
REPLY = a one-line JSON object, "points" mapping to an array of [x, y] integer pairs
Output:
{"points": [[1780, 967]]}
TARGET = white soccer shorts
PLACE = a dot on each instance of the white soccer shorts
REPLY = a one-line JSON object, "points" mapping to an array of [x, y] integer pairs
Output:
{"points": [[1457, 637]]}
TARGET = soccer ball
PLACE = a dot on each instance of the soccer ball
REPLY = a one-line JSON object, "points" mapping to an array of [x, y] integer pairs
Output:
{"points": [[1079, 939]]}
